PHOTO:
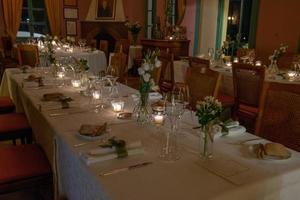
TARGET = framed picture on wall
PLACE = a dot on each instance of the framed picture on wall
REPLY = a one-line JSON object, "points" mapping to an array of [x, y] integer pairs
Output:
{"points": [[105, 9], [70, 2], [70, 13], [71, 27]]}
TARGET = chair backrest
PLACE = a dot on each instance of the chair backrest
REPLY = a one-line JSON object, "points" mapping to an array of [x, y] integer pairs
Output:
{"points": [[279, 114], [245, 52], [118, 61], [7, 45], [166, 75], [103, 46], [28, 54], [199, 62], [247, 84], [124, 44], [201, 82], [287, 59]]}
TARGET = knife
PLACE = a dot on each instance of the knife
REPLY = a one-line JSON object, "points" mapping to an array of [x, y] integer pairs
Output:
{"points": [[123, 169]]}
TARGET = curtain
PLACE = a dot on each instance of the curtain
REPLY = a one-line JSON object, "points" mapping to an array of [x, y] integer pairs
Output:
{"points": [[12, 10], [54, 16]]}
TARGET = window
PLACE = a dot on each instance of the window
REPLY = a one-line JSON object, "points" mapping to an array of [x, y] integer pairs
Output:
{"points": [[151, 8], [239, 15], [34, 21]]}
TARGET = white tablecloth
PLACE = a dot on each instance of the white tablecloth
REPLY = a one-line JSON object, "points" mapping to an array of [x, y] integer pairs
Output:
{"points": [[244, 176], [180, 68], [96, 59]]}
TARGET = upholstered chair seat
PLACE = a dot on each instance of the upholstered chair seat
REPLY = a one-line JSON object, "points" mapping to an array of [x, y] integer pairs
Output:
{"points": [[6, 105]]}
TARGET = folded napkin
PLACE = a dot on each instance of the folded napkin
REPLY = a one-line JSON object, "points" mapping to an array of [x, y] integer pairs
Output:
{"points": [[152, 96], [103, 154], [92, 130], [234, 129], [55, 96]]}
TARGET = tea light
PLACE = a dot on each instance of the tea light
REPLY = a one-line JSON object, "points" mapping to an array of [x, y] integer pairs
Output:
{"points": [[53, 43], [96, 94], [228, 64], [258, 63], [291, 74], [118, 105], [70, 50], [61, 75], [158, 119], [236, 60], [76, 83], [58, 48]]}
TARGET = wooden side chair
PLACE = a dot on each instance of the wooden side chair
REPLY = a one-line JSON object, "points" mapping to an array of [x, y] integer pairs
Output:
{"points": [[122, 44], [6, 105], [24, 169], [7, 46], [201, 82], [103, 46], [247, 84], [15, 126], [245, 52], [279, 114], [28, 55], [165, 77], [199, 62], [119, 62]]}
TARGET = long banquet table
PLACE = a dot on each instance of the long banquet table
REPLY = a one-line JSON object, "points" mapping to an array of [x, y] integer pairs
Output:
{"points": [[234, 172]]}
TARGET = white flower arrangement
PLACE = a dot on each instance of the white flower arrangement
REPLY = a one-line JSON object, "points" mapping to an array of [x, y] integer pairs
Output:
{"points": [[150, 62], [278, 52], [208, 110]]}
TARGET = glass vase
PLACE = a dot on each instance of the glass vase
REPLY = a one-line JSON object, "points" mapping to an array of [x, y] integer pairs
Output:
{"points": [[134, 39], [141, 112], [206, 142], [273, 68]]}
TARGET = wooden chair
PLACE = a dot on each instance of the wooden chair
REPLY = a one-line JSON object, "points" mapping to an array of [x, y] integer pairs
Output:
{"points": [[201, 82], [7, 46], [199, 62], [245, 52], [119, 62], [122, 44], [25, 169], [6, 105], [279, 114], [247, 84], [28, 55], [15, 126], [103, 46], [165, 77]]}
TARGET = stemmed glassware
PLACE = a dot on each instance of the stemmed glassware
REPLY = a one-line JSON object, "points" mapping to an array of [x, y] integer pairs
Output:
{"points": [[82, 43], [112, 77]]}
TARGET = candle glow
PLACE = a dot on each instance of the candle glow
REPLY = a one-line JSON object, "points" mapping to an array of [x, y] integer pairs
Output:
{"points": [[258, 63], [118, 105], [60, 75], [236, 60], [76, 83], [96, 95]]}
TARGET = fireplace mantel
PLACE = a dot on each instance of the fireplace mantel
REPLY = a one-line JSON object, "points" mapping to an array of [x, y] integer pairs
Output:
{"points": [[90, 29]]}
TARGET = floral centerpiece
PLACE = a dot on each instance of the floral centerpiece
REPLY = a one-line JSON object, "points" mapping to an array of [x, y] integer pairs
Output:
{"points": [[50, 49], [273, 69], [150, 63], [134, 30], [208, 112]]}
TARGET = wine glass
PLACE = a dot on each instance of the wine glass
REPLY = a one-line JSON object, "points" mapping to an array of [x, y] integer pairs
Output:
{"points": [[82, 43]]}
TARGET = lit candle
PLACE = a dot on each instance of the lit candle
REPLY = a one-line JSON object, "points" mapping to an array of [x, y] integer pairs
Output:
{"points": [[258, 63], [76, 83], [96, 94], [291, 74], [236, 60], [61, 75], [117, 105], [228, 64], [158, 119], [53, 43], [58, 48]]}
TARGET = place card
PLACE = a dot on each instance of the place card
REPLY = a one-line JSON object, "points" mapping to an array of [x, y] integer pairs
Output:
{"points": [[227, 169]]}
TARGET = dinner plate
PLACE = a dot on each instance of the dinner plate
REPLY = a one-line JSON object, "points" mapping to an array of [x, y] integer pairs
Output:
{"points": [[252, 146]]}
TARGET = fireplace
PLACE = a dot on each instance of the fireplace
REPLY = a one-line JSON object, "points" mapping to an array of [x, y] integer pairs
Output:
{"points": [[104, 30]]}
